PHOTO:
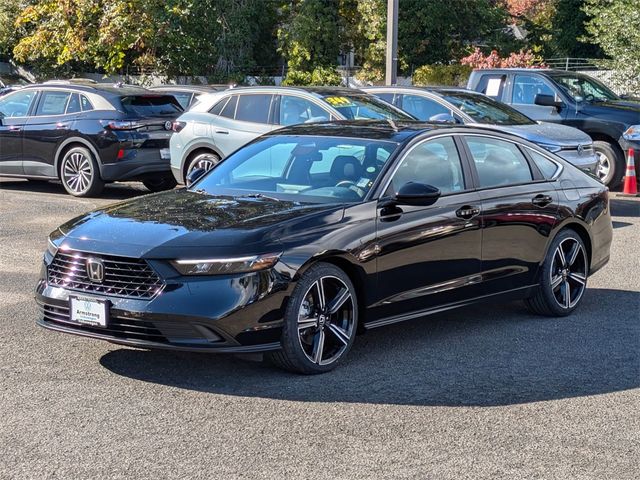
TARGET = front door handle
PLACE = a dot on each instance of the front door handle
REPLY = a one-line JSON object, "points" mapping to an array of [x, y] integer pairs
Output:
{"points": [[223, 132], [541, 200], [468, 212]]}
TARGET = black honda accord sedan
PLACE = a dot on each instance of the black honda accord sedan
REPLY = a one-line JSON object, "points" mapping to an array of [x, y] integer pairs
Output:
{"points": [[308, 235]]}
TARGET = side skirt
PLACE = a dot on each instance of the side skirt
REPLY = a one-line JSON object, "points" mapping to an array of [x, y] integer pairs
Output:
{"points": [[515, 294]]}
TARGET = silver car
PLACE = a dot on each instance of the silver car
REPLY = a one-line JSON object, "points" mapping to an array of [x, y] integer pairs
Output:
{"points": [[456, 105], [221, 122]]}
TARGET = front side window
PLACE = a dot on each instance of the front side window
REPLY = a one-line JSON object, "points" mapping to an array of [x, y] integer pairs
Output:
{"points": [[52, 103], [482, 109], [435, 162], [254, 108], [17, 104], [498, 162], [362, 107], [585, 89], [300, 168], [423, 108], [295, 110], [526, 87]]}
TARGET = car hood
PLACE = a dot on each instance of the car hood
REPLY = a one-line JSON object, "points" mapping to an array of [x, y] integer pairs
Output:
{"points": [[626, 104], [182, 222], [550, 134]]}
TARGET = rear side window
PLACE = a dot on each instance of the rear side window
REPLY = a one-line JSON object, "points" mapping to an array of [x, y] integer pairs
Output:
{"points": [[85, 103], [217, 108], [423, 108], [151, 105], [254, 108], [74, 104], [52, 103], [387, 97], [492, 85], [499, 163], [294, 110], [546, 166], [184, 99], [17, 104], [229, 109]]}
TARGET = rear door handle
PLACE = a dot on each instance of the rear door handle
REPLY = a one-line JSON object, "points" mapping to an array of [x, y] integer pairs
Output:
{"points": [[223, 132], [15, 128], [541, 200], [468, 212], [62, 126]]}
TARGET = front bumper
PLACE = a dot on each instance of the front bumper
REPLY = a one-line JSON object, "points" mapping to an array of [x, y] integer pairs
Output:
{"points": [[215, 314]]}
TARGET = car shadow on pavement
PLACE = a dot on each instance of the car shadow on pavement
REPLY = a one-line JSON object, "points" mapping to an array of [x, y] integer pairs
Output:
{"points": [[625, 208], [480, 356], [112, 191]]}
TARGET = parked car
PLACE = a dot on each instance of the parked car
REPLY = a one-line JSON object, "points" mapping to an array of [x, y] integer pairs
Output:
{"points": [[188, 94], [572, 99], [307, 235], [455, 105], [223, 122], [86, 134]]}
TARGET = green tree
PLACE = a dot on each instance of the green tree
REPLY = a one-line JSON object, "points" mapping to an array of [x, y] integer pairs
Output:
{"points": [[569, 27], [613, 26]]}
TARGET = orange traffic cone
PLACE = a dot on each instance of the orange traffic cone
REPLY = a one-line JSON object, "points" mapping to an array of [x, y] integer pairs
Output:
{"points": [[630, 183]]}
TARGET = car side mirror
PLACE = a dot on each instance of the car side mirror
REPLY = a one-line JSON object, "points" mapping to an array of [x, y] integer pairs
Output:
{"points": [[420, 194], [194, 175], [1, 119], [547, 101], [444, 118]]}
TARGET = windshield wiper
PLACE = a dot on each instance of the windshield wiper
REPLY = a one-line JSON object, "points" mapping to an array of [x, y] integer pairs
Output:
{"points": [[259, 195]]}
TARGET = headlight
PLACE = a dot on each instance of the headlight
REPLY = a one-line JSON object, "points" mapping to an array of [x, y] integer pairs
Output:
{"points": [[223, 266], [550, 148], [632, 133], [51, 248]]}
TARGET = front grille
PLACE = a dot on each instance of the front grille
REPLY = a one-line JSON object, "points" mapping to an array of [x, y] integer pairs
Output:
{"points": [[123, 277], [130, 328]]}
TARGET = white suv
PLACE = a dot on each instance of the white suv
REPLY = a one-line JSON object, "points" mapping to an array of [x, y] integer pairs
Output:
{"points": [[221, 122]]}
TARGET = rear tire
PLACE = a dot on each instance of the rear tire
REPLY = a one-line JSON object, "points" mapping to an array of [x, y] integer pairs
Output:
{"points": [[160, 183], [320, 322], [205, 160], [563, 277], [611, 164], [79, 173]]}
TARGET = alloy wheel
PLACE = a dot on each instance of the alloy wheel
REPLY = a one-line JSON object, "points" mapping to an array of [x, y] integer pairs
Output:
{"points": [[206, 161], [568, 273], [326, 320], [77, 173], [603, 167]]}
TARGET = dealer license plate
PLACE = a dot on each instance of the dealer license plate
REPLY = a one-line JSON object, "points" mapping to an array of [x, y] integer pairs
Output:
{"points": [[88, 311], [165, 154]]}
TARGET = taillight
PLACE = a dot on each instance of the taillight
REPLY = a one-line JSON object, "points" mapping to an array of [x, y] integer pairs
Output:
{"points": [[117, 125], [178, 126]]}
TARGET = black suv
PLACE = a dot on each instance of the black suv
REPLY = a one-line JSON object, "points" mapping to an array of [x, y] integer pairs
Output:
{"points": [[86, 134], [574, 99]]}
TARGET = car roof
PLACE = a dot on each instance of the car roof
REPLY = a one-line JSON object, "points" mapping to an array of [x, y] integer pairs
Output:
{"points": [[440, 89], [190, 88], [517, 69], [317, 91], [108, 89]]}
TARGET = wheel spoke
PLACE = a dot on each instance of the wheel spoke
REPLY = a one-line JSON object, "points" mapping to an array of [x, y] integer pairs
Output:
{"points": [[307, 323], [578, 278], [555, 282], [566, 294], [573, 253], [340, 333], [320, 291], [563, 259], [318, 347], [338, 301]]}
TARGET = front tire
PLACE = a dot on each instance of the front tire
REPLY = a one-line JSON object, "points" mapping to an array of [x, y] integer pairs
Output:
{"points": [[79, 173], [563, 277], [611, 164], [320, 322]]}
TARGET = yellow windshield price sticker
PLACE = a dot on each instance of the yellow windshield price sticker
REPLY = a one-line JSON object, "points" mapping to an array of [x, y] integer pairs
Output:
{"points": [[339, 102]]}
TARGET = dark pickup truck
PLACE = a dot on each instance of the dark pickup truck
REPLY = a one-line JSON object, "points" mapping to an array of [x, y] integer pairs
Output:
{"points": [[574, 99]]}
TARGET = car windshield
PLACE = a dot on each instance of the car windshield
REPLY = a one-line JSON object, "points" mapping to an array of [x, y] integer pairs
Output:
{"points": [[584, 88], [355, 107], [151, 105], [485, 110], [313, 169]]}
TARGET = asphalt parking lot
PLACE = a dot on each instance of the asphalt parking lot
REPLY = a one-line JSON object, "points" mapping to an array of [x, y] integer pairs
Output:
{"points": [[484, 392]]}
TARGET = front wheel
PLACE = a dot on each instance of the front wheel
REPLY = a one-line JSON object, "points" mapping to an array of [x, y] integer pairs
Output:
{"points": [[563, 277], [79, 173], [320, 322], [611, 165]]}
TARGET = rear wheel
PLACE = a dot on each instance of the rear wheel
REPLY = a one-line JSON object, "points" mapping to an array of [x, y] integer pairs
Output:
{"points": [[204, 160], [563, 277], [79, 173], [160, 183], [611, 165], [320, 322]]}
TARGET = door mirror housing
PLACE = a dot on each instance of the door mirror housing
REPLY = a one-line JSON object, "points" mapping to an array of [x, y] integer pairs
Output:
{"points": [[194, 175], [547, 101], [444, 118], [420, 194]]}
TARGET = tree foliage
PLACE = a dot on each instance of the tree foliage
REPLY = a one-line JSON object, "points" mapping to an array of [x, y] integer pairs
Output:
{"points": [[613, 26]]}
